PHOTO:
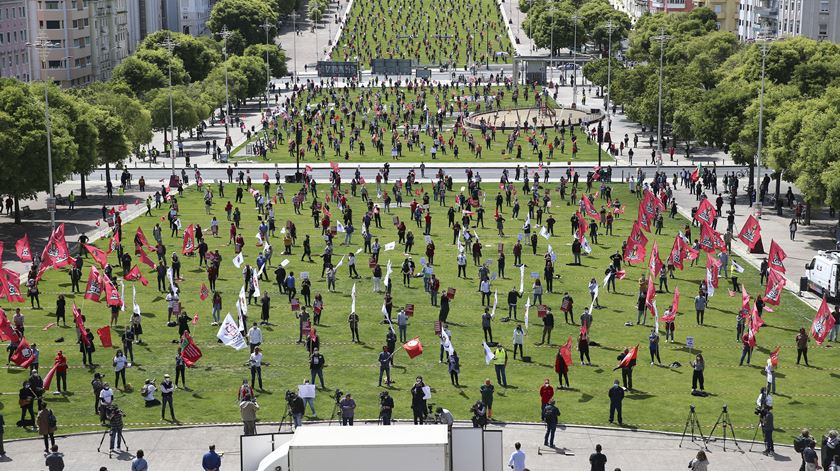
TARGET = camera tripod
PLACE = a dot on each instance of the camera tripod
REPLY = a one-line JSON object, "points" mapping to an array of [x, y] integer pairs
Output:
{"points": [[725, 421], [120, 438], [286, 419], [693, 422], [335, 409]]}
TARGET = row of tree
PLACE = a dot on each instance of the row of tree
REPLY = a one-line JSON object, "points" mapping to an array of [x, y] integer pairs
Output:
{"points": [[711, 94], [552, 23]]}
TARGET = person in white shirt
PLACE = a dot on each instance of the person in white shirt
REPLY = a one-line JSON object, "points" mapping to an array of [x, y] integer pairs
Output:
{"points": [[256, 366], [106, 398], [255, 339], [517, 458], [120, 363], [148, 393], [445, 416]]}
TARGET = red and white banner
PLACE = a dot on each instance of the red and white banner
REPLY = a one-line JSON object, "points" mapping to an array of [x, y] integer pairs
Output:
{"points": [[112, 294], [654, 264], [80, 324], [628, 359], [413, 347], [776, 257], [23, 355], [98, 254], [189, 240], [55, 253], [190, 352], [7, 332], [24, 253], [775, 285], [751, 232], [93, 291], [706, 212], [134, 275], [823, 323]]}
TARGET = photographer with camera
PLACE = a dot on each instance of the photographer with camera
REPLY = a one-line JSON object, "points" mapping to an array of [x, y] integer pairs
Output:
{"points": [[444, 417], [296, 406], [114, 416], [479, 412], [348, 408], [248, 408], [148, 392], [386, 407]]}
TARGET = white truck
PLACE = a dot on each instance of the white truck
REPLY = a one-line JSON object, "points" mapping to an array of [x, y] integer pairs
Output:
{"points": [[361, 448], [822, 273]]}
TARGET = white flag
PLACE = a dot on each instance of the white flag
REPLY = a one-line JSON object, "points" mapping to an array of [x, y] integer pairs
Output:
{"points": [[527, 222], [388, 271], [447, 343], [353, 299], [122, 296], [340, 263], [592, 304], [521, 278], [544, 233], [339, 227], [585, 245], [134, 300], [238, 260], [736, 267], [488, 354], [495, 302], [710, 289], [527, 308], [606, 279], [230, 334], [283, 263], [259, 239], [390, 246], [255, 278], [169, 274]]}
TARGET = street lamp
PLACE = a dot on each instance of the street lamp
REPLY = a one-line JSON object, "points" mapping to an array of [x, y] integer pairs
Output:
{"points": [[169, 44], [294, 16], [42, 45], [661, 38], [758, 200], [225, 33], [575, 19], [267, 26], [609, 73]]}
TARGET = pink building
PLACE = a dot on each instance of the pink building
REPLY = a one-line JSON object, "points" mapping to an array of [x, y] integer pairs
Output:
{"points": [[14, 56], [673, 6]]}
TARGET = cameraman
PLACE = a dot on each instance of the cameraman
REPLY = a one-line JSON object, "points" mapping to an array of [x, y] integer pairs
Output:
{"points": [[479, 411], [766, 421], [386, 407], [445, 417], [297, 407], [114, 416], [248, 411], [763, 401]]}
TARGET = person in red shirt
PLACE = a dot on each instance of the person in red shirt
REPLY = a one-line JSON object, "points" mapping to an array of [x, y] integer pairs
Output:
{"points": [[60, 372], [546, 394]]}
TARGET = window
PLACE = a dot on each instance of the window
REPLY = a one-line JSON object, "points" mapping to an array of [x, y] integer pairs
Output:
{"points": [[53, 24], [823, 6], [54, 64], [717, 9], [52, 5]]}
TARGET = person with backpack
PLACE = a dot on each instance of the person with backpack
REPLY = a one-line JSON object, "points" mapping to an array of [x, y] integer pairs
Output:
{"points": [[802, 443], [47, 425]]}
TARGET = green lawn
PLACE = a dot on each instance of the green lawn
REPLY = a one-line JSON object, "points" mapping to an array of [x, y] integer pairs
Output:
{"points": [[660, 402], [391, 115], [429, 33]]}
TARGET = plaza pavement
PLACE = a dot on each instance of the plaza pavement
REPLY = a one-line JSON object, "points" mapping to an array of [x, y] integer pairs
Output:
{"points": [[631, 450]]}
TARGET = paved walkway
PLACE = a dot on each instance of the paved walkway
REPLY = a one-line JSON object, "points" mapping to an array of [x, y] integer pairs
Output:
{"points": [[182, 448]]}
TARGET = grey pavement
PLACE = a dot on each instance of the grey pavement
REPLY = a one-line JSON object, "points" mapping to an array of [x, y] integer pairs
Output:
{"points": [[182, 448]]}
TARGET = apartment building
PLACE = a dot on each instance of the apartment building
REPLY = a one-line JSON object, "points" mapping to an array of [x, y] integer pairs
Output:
{"points": [[670, 6], [815, 19], [14, 35], [727, 13], [66, 25], [145, 17], [110, 36]]}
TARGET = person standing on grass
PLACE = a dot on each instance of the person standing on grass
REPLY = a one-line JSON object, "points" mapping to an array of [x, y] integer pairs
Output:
{"points": [[699, 365], [348, 410], [454, 368], [562, 369], [653, 345], [518, 341], [802, 346], [166, 390], [546, 394], [616, 395]]}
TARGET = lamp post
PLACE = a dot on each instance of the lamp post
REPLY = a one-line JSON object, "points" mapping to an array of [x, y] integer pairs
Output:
{"points": [[169, 44], [42, 45], [758, 199], [294, 16], [609, 72], [661, 38], [225, 33], [551, 46], [575, 19], [267, 26]]}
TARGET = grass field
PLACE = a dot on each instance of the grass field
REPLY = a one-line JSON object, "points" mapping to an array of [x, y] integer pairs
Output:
{"points": [[660, 400], [391, 115], [455, 34]]}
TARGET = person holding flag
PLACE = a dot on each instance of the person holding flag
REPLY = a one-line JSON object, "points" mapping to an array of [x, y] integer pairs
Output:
{"points": [[626, 362], [562, 361]]}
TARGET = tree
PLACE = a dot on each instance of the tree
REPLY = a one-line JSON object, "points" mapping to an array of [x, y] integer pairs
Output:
{"points": [[276, 57], [162, 60], [140, 76], [188, 109], [594, 17], [244, 16], [199, 55], [596, 72], [23, 138]]}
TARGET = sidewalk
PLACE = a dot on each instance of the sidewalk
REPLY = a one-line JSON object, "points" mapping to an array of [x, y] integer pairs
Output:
{"points": [[182, 448]]}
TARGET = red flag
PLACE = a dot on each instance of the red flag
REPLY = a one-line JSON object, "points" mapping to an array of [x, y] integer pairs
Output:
{"points": [[312, 335], [98, 223], [775, 284], [695, 174], [22, 248], [93, 291], [41, 270], [362, 181], [413, 347], [566, 352], [105, 336], [195, 320], [50, 374], [335, 167], [23, 355], [80, 324], [113, 242], [141, 237], [189, 240], [706, 212], [712, 270], [745, 303], [774, 357], [626, 362], [146, 260], [589, 209], [675, 307], [112, 294], [583, 329], [823, 323], [7, 332], [11, 287], [189, 350], [655, 264], [265, 176], [634, 253], [751, 232], [204, 293], [55, 253], [98, 254], [307, 169], [637, 236], [677, 252], [134, 275], [707, 238], [650, 298], [123, 208], [583, 226], [776, 257]]}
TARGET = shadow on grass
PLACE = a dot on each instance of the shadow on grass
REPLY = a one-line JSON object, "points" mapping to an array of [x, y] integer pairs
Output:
{"points": [[585, 398]]}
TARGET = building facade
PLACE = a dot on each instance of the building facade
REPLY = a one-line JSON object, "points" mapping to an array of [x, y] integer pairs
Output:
{"points": [[670, 6], [66, 25], [727, 14], [145, 17], [14, 35], [109, 36]]}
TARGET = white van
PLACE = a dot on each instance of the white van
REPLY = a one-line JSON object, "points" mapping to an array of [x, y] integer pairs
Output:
{"points": [[822, 273]]}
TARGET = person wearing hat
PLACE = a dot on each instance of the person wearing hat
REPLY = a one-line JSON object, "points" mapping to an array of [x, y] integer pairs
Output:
{"points": [[148, 393], [550, 415], [166, 390]]}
